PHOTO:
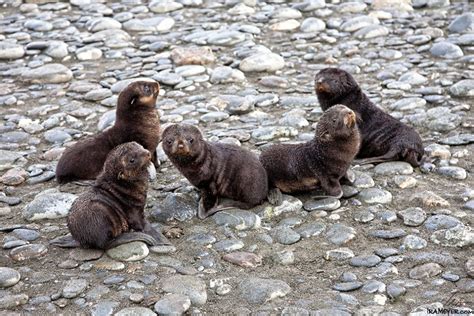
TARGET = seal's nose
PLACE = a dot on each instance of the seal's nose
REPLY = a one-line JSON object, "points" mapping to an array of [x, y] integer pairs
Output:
{"points": [[349, 119]]}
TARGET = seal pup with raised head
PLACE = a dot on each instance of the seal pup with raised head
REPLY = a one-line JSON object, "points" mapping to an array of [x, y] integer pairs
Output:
{"points": [[384, 138], [136, 120], [104, 215], [318, 163], [218, 170]]}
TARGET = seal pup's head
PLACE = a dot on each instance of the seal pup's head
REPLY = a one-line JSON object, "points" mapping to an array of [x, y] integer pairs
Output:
{"points": [[183, 143], [127, 162], [333, 84], [337, 123], [139, 93]]}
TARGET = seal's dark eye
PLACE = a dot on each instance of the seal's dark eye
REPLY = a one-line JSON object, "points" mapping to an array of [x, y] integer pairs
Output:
{"points": [[132, 160], [190, 140], [146, 90], [169, 141], [334, 120]]}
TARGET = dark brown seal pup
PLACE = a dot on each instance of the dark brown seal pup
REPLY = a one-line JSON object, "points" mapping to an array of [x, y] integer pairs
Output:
{"points": [[136, 120], [384, 138], [217, 170], [103, 216], [319, 163]]}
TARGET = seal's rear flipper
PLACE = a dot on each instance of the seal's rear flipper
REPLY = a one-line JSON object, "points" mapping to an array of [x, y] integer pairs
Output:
{"points": [[275, 197], [84, 183], [226, 204], [65, 242], [157, 240], [389, 156]]}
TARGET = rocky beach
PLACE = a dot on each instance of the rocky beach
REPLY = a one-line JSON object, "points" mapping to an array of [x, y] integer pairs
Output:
{"points": [[399, 241]]}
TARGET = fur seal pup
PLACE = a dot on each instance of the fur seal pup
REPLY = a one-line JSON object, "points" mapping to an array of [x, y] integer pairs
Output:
{"points": [[217, 170], [136, 120], [103, 216], [384, 138], [318, 163]]}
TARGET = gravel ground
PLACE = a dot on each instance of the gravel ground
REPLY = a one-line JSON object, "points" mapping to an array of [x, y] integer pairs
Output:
{"points": [[400, 240]]}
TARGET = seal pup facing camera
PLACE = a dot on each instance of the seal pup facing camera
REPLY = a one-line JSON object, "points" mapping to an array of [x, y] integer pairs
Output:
{"points": [[218, 170], [318, 163], [384, 138], [136, 120], [104, 215]]}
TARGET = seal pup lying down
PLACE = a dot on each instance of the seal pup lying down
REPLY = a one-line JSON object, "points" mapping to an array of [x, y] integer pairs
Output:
{"points": [[384, 138], [218, 170], [136, 120], [318, 163], [106, 213]]}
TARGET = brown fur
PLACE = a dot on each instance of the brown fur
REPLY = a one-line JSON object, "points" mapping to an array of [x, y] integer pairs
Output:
{"points": [[319, 163], [115, 203], [136, 120], [217, 170], [384, 138]]}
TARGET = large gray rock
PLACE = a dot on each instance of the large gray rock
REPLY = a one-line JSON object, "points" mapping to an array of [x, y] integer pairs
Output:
{"points": [[133, 251], [57, 49], [178, 206], [8, 277], [375, 195], [394, 167], [47, 205], [173, 304], [462, 23], [135, 311], [446, 50], [425, 271], [8, 158], [191, 286], [259, 291], [49, 73], [10, 301], [340, 234], [11, 50], [154, 24], [259, 62], [74, 287], [463, 88], [237, 219]]}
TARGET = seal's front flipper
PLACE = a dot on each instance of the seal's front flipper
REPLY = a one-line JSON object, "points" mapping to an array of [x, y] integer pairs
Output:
{"points": [[275, 197], [129, 237], [160, 239], [65, 242], [227, 204], [331, 187], [207, 204], [202, 214], [414, 158], [348, 178]]}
